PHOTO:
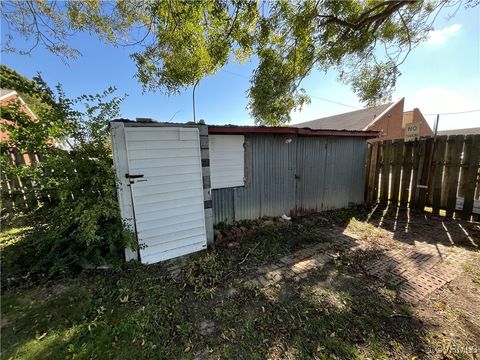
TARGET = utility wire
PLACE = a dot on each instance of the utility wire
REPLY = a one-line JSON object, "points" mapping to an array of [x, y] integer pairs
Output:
{"points": [[354, 107], [313, 96], [239, 75], [452, 113], [334, 102]]}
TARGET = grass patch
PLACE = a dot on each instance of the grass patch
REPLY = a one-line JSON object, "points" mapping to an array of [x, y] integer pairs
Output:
{"points": [[208, 311], [473, 270]]}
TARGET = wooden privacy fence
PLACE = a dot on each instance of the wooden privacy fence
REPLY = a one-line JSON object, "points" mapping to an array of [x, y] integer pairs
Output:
{"points": [[19, 193], [441, 173]]}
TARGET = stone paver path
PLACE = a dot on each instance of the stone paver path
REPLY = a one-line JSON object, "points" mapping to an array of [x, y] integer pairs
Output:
{"points": [[295, 266], [417, 270]]}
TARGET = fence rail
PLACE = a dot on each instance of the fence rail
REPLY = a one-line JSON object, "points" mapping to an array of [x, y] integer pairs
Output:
{"points": [[19, 193], [441, 173]]}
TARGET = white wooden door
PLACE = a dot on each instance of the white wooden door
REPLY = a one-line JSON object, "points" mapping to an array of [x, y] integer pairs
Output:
{"points": [[165, 175]]}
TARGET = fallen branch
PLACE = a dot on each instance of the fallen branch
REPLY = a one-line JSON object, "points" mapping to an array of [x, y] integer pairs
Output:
{"points": [[400, 316], [246, 256]]}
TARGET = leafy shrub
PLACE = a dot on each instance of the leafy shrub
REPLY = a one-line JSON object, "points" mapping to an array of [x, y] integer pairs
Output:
{"points": [[80, 223]]}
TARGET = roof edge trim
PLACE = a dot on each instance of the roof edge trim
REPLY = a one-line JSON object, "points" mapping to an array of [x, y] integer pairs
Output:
{"points": [[232, 130], [383, 113]]}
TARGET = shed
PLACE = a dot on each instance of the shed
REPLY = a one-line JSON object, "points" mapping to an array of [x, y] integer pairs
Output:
{"points": [[175, 181]]}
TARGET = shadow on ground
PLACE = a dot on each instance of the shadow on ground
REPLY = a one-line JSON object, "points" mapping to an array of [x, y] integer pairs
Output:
{"points": [[408, 226]]}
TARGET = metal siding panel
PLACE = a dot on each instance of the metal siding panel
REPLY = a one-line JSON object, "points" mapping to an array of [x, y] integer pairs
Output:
{"points": [[331, 171], [335, 174], [345, 171], [311, 169], [222, 205], [272, 189], [357, 190]]}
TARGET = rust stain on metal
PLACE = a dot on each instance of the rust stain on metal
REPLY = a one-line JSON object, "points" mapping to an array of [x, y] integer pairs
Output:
{"points": [[213, 129]]}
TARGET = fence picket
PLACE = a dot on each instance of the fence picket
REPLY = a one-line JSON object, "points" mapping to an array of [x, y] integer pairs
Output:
{"points": [[442, 173], [19, 193], [406, 174], [437, 177], [416, 161], [384, 173], [422, 187], [452, 184], [372, 173], [469, 179], [397, 150]]}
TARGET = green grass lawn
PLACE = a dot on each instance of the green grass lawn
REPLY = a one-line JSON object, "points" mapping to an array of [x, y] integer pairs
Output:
{"points": [[138, 311]]}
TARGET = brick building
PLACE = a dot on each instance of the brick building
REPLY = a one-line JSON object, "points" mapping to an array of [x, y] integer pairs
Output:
{"points": [[7, 96], [388, 119]]}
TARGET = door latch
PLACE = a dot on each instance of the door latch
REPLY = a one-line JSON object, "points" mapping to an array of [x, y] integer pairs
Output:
{"points": [[136, 176]]}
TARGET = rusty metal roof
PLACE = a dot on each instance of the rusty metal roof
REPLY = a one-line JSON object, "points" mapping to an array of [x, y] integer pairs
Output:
{"points": [[232, 129]]}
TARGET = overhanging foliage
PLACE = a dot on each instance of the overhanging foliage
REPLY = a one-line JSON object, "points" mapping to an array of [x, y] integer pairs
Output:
{"points": [[176, 43], [79, 223]]}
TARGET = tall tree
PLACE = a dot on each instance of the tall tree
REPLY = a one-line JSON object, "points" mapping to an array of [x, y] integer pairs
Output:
{"points": [[176, 42]]}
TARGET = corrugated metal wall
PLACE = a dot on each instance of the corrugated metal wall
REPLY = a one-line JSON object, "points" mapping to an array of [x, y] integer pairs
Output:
{"points": [[306, 174]]}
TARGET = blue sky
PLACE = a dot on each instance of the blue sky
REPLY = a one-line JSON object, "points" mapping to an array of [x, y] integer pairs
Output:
{"points": [[440, 76]]}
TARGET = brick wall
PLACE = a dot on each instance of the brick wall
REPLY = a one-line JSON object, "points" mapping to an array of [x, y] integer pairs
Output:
{"points": [[13, 97], [425, 129], [389, 124]]}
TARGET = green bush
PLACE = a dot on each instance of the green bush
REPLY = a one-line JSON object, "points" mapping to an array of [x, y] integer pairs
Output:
{"points": [[80, 224]]}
